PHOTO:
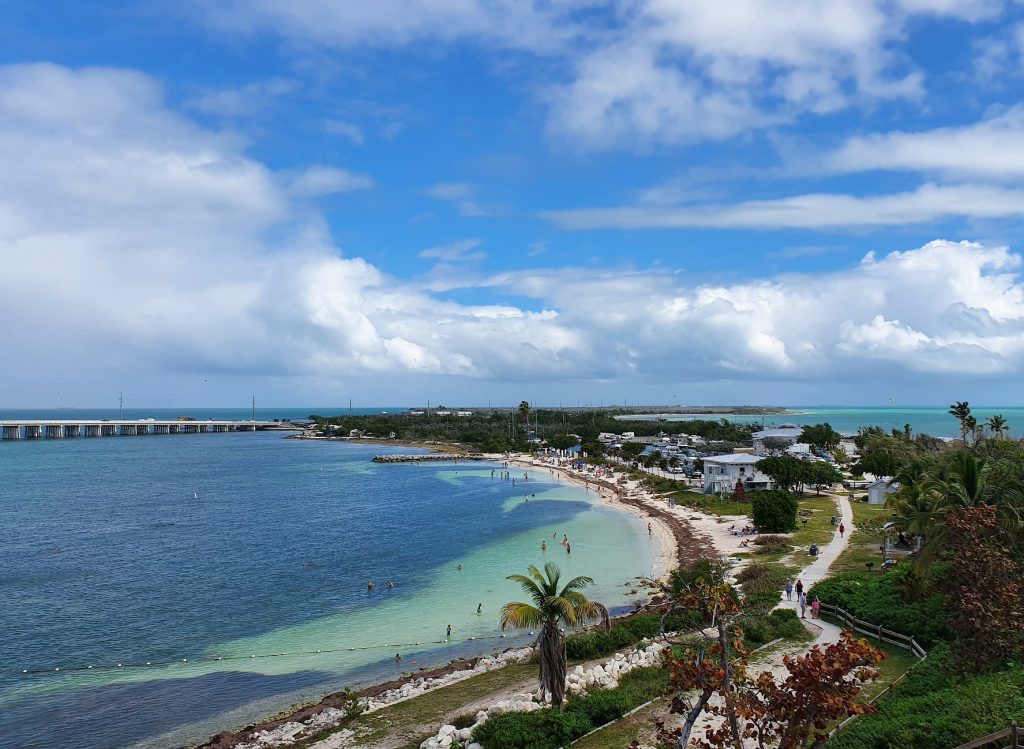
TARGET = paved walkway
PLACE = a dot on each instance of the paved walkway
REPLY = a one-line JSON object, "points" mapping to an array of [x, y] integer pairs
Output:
{"points": [[817, 568]]}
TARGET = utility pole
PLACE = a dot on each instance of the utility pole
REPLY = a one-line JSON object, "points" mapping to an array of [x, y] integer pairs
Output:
{"points": [[120, 410]]}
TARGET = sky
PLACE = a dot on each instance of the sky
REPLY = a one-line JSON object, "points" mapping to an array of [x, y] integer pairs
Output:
{"points": [[643, 201]]}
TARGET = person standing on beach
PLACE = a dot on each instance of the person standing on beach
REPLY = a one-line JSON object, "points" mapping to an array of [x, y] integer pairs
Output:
{"points": [[842, 529], [789, 589], [803, 606]]}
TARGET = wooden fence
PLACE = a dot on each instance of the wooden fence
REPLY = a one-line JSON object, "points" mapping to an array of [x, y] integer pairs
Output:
{"points": [[875, 630], [1014, 735]]}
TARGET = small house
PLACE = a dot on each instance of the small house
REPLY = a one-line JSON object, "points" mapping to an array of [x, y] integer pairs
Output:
{"points": [[722, 472], [879, 491]]}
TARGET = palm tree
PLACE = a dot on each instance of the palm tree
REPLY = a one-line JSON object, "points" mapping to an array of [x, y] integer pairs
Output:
{"points": [[960, 410], [550, 607], [997, 424], [923, 508], [524, 412]]}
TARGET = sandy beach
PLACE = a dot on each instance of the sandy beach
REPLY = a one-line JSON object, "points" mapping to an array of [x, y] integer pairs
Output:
{"points": [[683, 536]]}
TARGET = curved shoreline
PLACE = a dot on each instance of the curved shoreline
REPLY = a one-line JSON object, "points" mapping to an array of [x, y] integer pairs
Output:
{"points": [[677, 544]]}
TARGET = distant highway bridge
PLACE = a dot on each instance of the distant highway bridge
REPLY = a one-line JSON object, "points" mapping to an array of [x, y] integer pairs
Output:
{"points": [[14, 429]]}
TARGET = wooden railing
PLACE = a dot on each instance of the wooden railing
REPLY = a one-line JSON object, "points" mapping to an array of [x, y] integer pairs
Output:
{"points": [[1013, 734], [875, 630]]}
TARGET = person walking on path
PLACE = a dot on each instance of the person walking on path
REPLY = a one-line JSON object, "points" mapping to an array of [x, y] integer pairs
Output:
{"points": [[842, 529], [803, 606], [789, 589], [799, 588], [815, 608]]}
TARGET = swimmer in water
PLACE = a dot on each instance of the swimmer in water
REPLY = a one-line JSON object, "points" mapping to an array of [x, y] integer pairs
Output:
{"points": [[565, 539], [369, 586], [449, 632], [568, 548], [398, 657], [390, 584], [543, 545], [458, 567], [479, 608]]}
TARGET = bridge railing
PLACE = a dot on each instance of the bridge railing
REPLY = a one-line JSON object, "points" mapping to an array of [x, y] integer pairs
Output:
{"points": [[1014, 735]]}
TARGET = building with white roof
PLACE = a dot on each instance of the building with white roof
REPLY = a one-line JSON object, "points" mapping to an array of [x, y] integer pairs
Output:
{"points": [[721, 472]]}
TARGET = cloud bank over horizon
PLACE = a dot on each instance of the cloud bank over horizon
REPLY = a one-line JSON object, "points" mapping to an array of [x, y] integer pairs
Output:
{"points": [[499, 199], [129, 230]]}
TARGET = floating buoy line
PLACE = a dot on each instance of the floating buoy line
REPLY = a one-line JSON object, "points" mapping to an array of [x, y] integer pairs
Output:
{"points": [[215, 658]]}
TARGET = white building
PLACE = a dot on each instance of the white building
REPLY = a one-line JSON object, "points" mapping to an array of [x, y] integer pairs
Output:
{"points": [[721, 472], [788, 433], [879, 491]]}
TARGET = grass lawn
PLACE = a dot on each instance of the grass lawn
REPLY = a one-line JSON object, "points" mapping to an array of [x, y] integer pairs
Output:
{"points": [[865, 541], [408, 718], [815, 528], [898, 662]]}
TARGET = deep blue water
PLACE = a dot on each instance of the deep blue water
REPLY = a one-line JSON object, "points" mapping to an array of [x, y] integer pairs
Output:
{"points": [[106, 557]]}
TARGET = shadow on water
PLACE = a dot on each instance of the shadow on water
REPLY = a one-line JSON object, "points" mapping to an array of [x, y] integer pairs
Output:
{"points": [[116, 715]]}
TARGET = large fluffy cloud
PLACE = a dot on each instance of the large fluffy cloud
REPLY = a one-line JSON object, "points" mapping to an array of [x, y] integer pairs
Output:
{"points": [[132, 239], [639, 73]]}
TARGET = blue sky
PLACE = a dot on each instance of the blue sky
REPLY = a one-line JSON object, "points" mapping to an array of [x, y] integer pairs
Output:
{"points": [[474, 200]]}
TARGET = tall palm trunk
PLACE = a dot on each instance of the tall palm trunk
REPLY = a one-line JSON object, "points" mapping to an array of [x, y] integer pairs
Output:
{"points": [[553, 666]]}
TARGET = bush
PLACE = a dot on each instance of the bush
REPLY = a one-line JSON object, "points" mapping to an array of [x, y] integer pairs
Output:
{"points": [[769, 544], [550, 729], [761, 629], [936, 719], [773, 511], [629, 631], [543, 729], [878, 599], [463, 721], [758, 577]]}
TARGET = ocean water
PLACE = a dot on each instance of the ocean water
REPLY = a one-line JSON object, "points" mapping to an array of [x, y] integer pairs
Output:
{"points": [[107, 558]]}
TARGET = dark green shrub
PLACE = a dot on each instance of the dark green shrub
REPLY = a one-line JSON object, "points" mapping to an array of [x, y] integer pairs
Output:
{"points": [[549, 728], [761, 629], [463, 721], [878, 599], [604, 705], [761, 602], [629, 631], [945, 718], [543, 729], [773, 511]]}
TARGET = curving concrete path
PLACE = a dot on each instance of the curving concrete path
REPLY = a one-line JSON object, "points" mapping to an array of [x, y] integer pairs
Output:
{"points": [[817, 568]]}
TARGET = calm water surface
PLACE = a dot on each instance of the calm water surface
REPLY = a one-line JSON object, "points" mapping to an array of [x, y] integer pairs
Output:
{"points": [[106, 557]]}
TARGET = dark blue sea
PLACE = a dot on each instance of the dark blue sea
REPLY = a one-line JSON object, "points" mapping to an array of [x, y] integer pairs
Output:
{"points": [[195, 553]]}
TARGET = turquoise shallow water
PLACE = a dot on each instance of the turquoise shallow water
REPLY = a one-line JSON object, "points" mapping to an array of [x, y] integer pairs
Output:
{"points": [[106, 558]]}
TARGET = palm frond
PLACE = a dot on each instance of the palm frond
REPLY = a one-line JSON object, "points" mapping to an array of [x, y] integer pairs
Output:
{"points": [[518, 615]]}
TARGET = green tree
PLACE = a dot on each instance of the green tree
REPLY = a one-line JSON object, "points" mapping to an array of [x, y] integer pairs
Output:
{"points": [[773, 511], [632, 450], [822, 474], [524, 412], [961, 411], [550, 607], [820, 437], [997, 424], [563, 441], [787, 472], [775, 445]]}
